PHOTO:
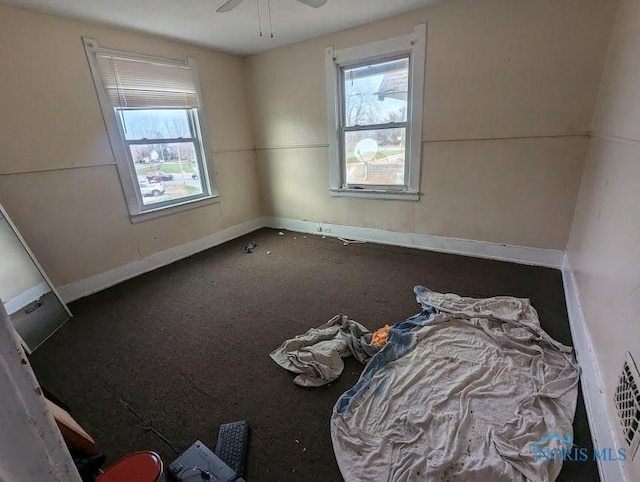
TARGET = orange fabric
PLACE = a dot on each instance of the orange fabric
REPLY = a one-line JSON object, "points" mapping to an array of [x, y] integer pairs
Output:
{"points": [[380, 336]]}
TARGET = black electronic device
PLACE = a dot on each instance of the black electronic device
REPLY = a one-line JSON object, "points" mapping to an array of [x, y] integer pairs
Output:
{"points": [[233, 441]]}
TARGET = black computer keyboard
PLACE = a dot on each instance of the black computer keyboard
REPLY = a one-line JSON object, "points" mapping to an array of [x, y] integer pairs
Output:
{"points": [[233, 441]]}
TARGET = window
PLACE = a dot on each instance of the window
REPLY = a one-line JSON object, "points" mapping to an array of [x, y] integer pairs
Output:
{"points": [[375, 95], [151, 108], [374, 123]]}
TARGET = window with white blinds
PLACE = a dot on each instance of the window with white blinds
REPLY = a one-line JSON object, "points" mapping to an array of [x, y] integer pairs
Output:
{"points": [[151, 107], [131, 82]]}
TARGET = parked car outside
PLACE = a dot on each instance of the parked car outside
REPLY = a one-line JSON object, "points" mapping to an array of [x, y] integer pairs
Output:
{"points": [[159, 176], [151, 189]]}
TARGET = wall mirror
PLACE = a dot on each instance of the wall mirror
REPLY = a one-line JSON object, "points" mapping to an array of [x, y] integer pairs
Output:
{"points": [[33, 304]]}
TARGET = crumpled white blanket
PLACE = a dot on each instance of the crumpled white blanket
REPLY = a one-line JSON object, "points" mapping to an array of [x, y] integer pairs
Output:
{"points": [[317, 354], [459, 392]]}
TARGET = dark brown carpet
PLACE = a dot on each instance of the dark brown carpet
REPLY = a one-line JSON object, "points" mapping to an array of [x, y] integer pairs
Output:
{"points": [[186, 346]]}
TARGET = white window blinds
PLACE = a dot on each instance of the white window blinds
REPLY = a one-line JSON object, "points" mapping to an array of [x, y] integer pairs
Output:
{"points": [[132, 82]]}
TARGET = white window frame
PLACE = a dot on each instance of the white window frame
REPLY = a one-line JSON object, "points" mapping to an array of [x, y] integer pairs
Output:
{"points": [[122, 154], [413, 45]]}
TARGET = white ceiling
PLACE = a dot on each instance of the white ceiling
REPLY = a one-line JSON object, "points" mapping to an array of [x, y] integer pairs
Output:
{"points": [[237, 31]]}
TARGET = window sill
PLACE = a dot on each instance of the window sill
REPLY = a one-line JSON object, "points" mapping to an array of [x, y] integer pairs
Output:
{"points": [[173, 209], [376, 194]]}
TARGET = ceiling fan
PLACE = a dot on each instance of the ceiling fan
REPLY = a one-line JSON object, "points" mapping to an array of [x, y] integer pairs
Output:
{"points": [[231, 4]]}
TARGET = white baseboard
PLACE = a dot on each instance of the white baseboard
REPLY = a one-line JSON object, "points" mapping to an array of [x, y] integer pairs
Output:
{"points": [[101, 281], [600, 423], [480, 249], [551, 258], [29, 296]]}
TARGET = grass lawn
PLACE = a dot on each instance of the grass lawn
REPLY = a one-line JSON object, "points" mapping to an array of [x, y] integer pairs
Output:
{"points": [[189, 190], [172, 167], [381, 154], [174, 191]]}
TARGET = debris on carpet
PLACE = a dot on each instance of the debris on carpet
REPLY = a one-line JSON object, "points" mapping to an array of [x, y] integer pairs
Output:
{"points": [[250, 247]]}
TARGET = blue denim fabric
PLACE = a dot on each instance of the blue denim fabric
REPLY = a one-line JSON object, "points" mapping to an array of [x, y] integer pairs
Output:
{"points": [[401, 340]]}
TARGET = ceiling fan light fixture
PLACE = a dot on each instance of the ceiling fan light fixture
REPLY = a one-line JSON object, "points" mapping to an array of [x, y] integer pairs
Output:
{"points": [[231, 4], [228, 6], [313, 3]]}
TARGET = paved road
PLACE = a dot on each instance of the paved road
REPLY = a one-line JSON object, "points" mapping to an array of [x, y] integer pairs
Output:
{"points": [[178, 179]]}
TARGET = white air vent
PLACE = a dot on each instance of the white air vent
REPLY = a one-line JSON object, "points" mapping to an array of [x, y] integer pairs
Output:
{"points": [[627, 400]]}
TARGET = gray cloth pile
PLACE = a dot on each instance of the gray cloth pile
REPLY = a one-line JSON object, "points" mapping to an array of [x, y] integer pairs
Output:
{"points": [[317, 354]]}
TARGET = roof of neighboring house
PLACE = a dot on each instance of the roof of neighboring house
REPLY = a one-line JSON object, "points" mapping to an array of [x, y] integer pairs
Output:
{"points": [[394, 84]]}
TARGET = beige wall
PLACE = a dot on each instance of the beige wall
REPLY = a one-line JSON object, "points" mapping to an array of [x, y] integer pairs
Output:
{"points": [[510, 87], [58, 178], [604, 248], [516, 69]]}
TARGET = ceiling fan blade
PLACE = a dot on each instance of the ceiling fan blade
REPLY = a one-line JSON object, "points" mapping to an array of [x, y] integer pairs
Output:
{"points": [[228, 6], [313, 3]]}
